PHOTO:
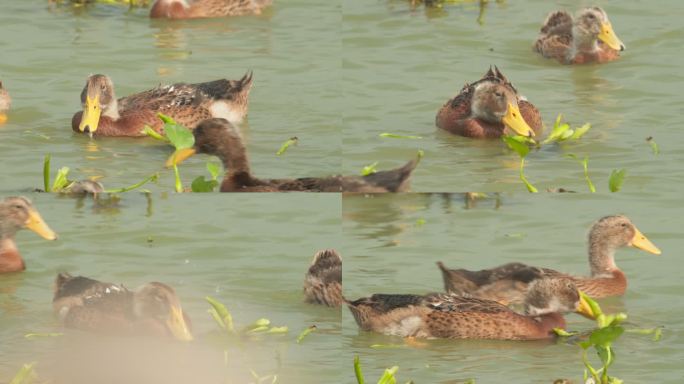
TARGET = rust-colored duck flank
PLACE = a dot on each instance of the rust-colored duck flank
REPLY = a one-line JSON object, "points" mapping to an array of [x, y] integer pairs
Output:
{"points": [[17, 213], [457, 317], [488, 108], [188, 104], [220, 138], [508, 283], [90, 305], [323, 280], [589, 37], [189, 9], [5, 103]]}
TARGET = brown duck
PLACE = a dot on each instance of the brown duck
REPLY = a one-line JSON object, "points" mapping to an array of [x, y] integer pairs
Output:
{"points": [[488, 108], [458, 317], [90, 305], [17, 213], [508, 283], [192, 9], [220, 138], [5, 103], [587, 38], [323, 280], [187, 104]]}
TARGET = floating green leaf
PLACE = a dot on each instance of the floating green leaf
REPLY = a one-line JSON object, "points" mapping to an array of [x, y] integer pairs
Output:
{"points": [[61, 182], [221, 314], [277, 330], [305, 333], [530, 188], [154, 134], [585, 165], [617, 177], [178, 183], [357, 371], [152, 178], [562, 131], [518, 144], [420, 222], [369, 169], [563, 333], [31, 336], [46, 173], [179, 136], [653, 144], [26, 375], [388, 376], [200, 184], [395, 136], [287, 144], [214, 169], [579, 132]]}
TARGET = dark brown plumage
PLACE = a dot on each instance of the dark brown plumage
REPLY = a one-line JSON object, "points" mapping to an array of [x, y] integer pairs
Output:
{"points": [[17, 213], [508, 283], [220, 138], [323, 280], [457, 317], [189, 9], [90, 305], [488, 108], [187, 104]]}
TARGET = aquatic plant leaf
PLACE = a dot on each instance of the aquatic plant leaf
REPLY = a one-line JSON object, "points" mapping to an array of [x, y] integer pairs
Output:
{"points": [[179, 136], [200, 184], [388, 376], [31, 336], [579, 132], [395, 136], [277, 330], [61, 181], [178, 183], [605, 336], [305, 333], [221, 314], [595, 307], [151, 178], [530, 188], [214, 169], [369, 169], [563, 333], [154, 134], [357, 371], [291, 141], [516, 144], [26, 375], [46, 173], [617, 178], [558, 131], [420, 222], [387, 346], [653, 144]]}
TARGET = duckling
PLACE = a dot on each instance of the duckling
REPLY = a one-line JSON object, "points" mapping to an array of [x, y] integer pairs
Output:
{"points": [[586, 39], [91, 305], [460, 317], [508, 283], [17, 213], [188, 9], [489, 108], [187, 104], [323, 280], [220, 138]]}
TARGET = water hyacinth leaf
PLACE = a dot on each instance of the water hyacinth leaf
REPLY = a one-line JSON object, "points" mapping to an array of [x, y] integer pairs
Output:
{"points": [[530, 188], [605, 336], [278, 330], [653, 144], [388, 376], [214, 169], [357, 371], [154, 134], [579, 132], [369, 169], [222, 315], [305, 333], [595, 308], [179, 136], [291, 141], [617, 178], [61, 181], [563, 333], [558, 131], [178, 184], [152, 178], [26, 375], [200, 184], [516, 144], [395, 136]]}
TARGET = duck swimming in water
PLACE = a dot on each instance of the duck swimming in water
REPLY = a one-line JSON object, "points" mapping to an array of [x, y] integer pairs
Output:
{"points": [[323, 280]]}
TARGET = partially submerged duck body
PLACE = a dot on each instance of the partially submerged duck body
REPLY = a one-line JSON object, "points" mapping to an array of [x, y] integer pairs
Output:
{"points": [[192, 9], [508, 283], [458, 317], [90, 305], [17, 213], [220, 138], [187, 104], [588, 38], [489, 108], [323, 280]]}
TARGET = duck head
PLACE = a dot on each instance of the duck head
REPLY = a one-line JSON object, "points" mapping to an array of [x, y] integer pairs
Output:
{"points": [[158, 302], [555, 295], [592, 24], [496, 102], [18, 213], [97, 99]]}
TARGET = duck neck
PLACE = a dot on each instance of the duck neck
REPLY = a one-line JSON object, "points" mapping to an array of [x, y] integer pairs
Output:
{"points": [[601, 258], [583, 43], [112, 110], [236, 164], [10, 259]]}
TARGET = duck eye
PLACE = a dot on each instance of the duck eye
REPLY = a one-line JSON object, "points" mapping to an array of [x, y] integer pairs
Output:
{"points": [[498, 94], [591, 16], [624, 225], [19, 207]]}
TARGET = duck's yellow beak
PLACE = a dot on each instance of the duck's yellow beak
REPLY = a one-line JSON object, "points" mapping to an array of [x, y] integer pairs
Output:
{"points": [[37, 225], [179, 156], [91, 115], [177, 326], [640, 241], [584, 308], [514, 120], [607, 35], [3, 118]]}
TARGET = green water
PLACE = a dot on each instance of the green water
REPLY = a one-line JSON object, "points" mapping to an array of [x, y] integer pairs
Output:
{"points": [[400, 66], [389, 251]]}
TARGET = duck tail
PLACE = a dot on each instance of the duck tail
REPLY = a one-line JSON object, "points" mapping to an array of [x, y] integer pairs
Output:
{"points": [[555, 20], [245, 83], [395, 180], [61, 279], [323, 280]]}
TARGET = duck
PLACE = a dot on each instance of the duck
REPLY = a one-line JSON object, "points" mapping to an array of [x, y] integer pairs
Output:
{"points": [[489, 108], [452, 316], [189, 9], [90, 305], [5, 103], [187, 104], [16, 213], [588, 38], [221, 138], [323, 279], [508, 283]]}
